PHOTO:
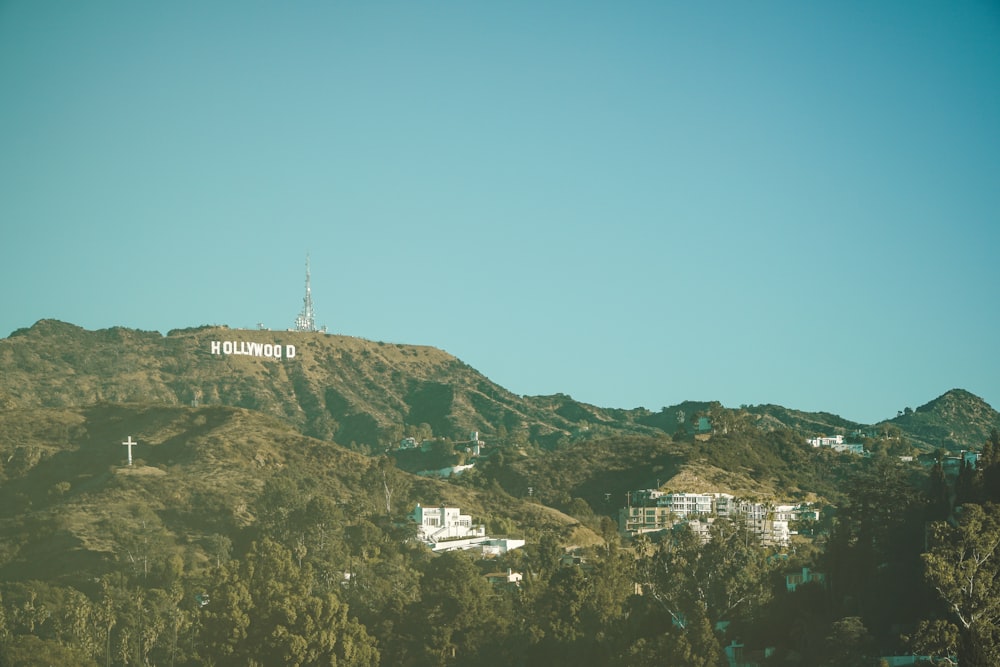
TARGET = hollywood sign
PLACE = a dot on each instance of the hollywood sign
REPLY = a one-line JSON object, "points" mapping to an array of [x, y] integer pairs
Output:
{"points": [[249, 349]]}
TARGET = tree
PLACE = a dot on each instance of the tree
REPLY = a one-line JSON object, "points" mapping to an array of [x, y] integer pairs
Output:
{"points": [[938, 639], [700, 585], [870, 554], [386, 482], [989, 463], [968, 485], [577, 614], [938, 494], [849, 644], [4, 630], [458, 617], [279, 502], [267, 610], [30, 651], [963, 566]]}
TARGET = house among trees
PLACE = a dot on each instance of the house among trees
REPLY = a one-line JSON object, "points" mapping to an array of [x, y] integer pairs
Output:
{"points": [[447, 529], [826, 441], [796, 579], [837, 444], [508, 579]]}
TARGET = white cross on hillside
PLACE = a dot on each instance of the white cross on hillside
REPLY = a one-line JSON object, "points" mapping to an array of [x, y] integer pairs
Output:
{"points": [[128, 443]]}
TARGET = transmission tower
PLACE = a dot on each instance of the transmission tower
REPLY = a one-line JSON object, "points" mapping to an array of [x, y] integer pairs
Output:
{"points": [[306, 321]]}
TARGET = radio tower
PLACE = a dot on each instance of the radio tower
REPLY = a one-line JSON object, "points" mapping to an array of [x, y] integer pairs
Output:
{"points": [[306, 321]]}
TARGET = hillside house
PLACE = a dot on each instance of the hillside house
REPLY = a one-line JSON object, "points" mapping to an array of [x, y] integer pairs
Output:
{"points": [[971, 458], [447, 529], [508, 579], [795, 512], [793, 581], [444, 524], [473, 446], [837, 444], [824, 441]]}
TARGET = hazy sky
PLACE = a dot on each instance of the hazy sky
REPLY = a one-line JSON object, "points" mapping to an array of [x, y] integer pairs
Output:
{"points": [[632, 203]]}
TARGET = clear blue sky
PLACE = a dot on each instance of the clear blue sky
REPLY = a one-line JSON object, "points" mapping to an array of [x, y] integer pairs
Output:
{"points": [[631, 203]]}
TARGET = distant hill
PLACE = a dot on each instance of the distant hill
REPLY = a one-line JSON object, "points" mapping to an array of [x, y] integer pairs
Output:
{"points": [[955, 420], [363, 394], [817, 423]]}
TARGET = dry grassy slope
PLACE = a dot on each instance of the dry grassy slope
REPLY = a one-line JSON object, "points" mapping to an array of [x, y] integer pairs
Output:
{"points": [[336, 387], [812, 423], [353, 390], [66, 494], [698, 476]]}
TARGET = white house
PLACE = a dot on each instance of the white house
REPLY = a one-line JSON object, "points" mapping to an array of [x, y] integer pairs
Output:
{"points": [[508, 578], [441, 524], [795, 512], [823, 441], [447, 529]]}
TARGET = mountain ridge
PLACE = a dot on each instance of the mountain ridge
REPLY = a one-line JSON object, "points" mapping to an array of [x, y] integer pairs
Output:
{"points": [[369, 393]]}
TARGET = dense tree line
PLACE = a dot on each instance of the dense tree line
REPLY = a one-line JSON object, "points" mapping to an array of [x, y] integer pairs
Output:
{"points": [[911, 564]]}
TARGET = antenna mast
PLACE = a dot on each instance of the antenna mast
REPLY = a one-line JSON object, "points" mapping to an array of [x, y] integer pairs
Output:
{"points": [[306, 321]]}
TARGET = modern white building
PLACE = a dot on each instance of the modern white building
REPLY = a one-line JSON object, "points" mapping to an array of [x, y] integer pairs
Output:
{"points": [[824, 441], [447, 529], [442, 524], [795, 512], [651, 510], [837, 444]]}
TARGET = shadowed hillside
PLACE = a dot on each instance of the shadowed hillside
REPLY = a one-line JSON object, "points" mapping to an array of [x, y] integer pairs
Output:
{"points": [[69, 501]]}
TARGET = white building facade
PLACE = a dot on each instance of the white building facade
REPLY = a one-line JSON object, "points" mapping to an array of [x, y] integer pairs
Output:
{"points": [[442, 524], [651, 510], [447, 529]]}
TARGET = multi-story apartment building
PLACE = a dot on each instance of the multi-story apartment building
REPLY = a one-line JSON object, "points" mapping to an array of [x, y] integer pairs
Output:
{"points": [[651, 510]]}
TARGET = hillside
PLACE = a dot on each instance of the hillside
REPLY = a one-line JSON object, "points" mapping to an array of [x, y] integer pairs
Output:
{"points": [[751, 463], [68, 502], [955, 420], [260, 493], [337, 388], [365, 394], [813, 423]]}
